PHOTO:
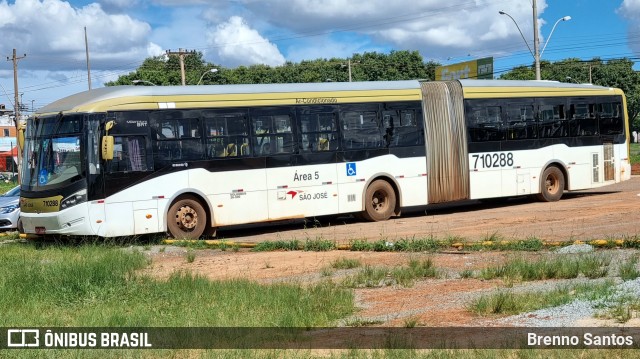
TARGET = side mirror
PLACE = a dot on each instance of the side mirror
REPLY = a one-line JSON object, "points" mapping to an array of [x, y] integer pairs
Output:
{"points": [[20, 136], [107, 142], [107, 148]]}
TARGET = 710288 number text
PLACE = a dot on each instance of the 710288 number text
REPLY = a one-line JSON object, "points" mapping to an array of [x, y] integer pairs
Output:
{"points": [[493, 160]]}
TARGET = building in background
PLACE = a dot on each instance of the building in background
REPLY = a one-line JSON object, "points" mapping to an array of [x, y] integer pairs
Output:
{"points": [[8, 143]]}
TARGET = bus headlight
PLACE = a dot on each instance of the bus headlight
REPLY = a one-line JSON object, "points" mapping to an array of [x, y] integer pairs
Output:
{"points": [[73, 200]]}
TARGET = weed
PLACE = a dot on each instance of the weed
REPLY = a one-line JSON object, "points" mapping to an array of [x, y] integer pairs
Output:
{"points": [[326, 272], [318, 245], [293, 245], [411, 322], [405, 276], [509, 302], [629, 269], [564, 267], [191, 256], [467, 273], [346, 263]]}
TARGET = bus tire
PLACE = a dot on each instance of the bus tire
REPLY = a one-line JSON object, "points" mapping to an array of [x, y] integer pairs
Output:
{"points": [[186, 219], [380, 201], [551, 185]]}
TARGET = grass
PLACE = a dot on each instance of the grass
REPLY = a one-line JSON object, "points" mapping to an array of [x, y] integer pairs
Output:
{"points": [[345, 263], [406, 276], [622, 308], [99, 286], [561, 267], [5, 187], [629, 269], [276, 245], [508, 302], [635, 153]]}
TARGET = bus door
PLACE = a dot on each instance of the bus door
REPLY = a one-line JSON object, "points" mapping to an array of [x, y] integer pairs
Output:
{"points": [[520, 133], [128, 207], [611, 128], [609, 163]]}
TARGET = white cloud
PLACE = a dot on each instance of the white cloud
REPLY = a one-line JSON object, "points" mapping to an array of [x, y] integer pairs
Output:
{"points": [[236, 43], [118, 5], [630, 9], [438, 29], [51, 33]]}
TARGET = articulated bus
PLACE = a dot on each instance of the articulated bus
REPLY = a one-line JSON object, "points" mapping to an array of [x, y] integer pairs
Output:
{"points": [[188, 160]]}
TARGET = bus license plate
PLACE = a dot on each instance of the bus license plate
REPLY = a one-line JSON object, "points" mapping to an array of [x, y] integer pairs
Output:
{"points": [[40, 230]]}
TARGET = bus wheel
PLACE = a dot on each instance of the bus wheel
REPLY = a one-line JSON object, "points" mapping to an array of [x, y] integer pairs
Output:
{"points": [[380, 201], [186, 219], [552, 185]]}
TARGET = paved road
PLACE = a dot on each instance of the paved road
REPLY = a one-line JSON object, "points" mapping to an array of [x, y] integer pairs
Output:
{"points": [[607, 212]]}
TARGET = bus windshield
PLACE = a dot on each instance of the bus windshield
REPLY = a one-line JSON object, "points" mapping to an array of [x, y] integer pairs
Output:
{"points": [[52, 152]]}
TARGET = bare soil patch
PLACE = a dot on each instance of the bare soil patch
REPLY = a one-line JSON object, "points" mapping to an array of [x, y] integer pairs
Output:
{"points": [[610, 212]]}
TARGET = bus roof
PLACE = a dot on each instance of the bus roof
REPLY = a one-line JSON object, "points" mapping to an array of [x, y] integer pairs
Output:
{"points": [[121, 96]]}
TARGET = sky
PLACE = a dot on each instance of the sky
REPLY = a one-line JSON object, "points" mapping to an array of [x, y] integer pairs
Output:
{"points": [[121, 34]]}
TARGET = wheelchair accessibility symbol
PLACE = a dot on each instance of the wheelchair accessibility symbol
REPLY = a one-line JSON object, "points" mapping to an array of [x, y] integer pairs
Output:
{"points": [[351, 169], [43, 177]]}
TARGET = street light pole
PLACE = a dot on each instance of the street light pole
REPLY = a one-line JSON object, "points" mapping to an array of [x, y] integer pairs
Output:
{"points": [[521, 34], [536, 40], [138, 82], [213, 71], [565, 18], [536, 53]]}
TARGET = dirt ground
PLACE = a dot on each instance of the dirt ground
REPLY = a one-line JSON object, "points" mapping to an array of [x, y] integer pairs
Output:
{"points": [[604, 213]]}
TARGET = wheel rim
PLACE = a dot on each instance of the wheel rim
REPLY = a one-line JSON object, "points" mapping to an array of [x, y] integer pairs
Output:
{"points": [[379, 201], [552, 184], [187, 218]]}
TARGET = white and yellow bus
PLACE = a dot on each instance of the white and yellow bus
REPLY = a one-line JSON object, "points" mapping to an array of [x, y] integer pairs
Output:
{"points": [[120, 161]]}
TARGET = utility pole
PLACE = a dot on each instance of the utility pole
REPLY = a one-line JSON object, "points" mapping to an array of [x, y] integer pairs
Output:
{"points": [[16, 103], [181, 54], [536, 41]]}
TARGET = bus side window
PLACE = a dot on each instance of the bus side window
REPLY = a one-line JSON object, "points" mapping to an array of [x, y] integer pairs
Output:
{"points": [[226, 134], [318, 132], [129, 154], [402, 130], [272, 133], [361, 129], [484, 121], [610, 118], [584, 115], [521, 122]]}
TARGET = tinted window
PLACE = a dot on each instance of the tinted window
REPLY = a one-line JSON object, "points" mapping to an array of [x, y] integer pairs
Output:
{"points": [[362, 129], [272, 133], [484, 121], [178, 136], [318, 132], [129, 154], [227, 134], [611, 120]]}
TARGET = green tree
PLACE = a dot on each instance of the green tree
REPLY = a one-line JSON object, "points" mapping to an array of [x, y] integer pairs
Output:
{"points": [[370, 66]]}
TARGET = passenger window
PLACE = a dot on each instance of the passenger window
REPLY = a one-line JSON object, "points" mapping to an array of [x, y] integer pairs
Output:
{"points": [[521, 122], [272, 134], [129, 154], [583, 115], [318, 132], [227, 135], [484, 122], [611, 122], [362, 129], [178, 136]]}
